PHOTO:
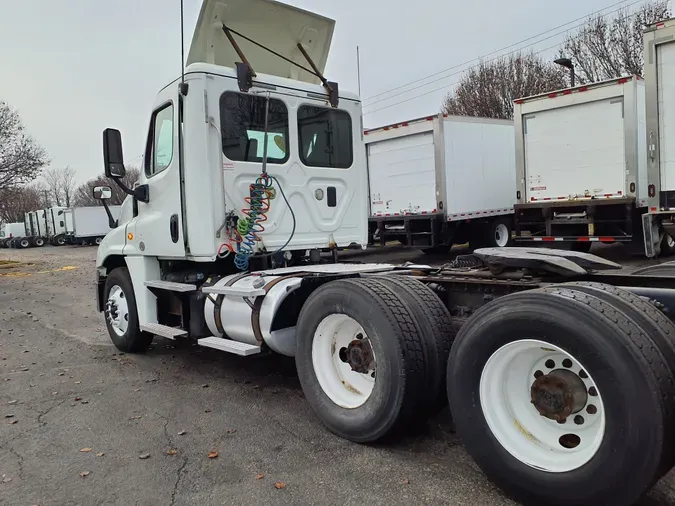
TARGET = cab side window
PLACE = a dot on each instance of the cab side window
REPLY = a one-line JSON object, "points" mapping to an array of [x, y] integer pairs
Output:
{"points": [[159, 152]]}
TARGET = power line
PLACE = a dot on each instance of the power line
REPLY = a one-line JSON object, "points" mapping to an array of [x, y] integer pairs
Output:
{"points": [[468, 68], [498, 51]]}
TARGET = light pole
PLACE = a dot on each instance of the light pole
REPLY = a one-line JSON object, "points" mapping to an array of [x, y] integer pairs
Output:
{"points": [[567, 63]]}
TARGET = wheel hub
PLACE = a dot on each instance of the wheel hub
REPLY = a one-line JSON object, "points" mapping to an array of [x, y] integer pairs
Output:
{"points": [[359, 356], [558, 394]]}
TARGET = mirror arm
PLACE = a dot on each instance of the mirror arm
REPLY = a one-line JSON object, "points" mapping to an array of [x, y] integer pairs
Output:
{"points": [[112, 222], [141, 192]]}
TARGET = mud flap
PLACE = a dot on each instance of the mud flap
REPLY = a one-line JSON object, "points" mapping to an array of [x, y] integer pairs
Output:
{"points": [[650, 231]]}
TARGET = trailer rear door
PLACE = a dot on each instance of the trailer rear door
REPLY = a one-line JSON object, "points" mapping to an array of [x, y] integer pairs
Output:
{"points": [[665, 59], [590, 163], [402, 174]]}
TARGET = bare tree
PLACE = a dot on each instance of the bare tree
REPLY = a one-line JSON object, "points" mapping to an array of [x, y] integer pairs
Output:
{"points": [[60, 183], [488, 90], [83, 194], [16, 201], [21, 158], [607, 48]]}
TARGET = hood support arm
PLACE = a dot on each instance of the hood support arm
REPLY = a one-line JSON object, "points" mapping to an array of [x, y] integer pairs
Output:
{"points": [[245, 72]]}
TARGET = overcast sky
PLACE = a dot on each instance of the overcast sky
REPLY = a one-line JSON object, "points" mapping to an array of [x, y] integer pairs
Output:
{"points": [[74, 67]]}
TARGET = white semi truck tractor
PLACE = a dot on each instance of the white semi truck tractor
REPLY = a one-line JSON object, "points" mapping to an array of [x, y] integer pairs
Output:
{"points": [[561, 378]]}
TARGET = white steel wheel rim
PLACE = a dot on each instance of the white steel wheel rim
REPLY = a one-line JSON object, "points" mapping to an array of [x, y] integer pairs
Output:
{"points": [[117, 310], [670, 241], [24, 243], [501, 235], [528, 436], [98, 241], [345, 387]]}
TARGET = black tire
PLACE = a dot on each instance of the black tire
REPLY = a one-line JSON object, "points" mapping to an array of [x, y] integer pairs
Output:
{"points": [[666, 269], [667, 245], [98, 240], [659, 329], [38, 242], [582, 246], [623, 363], [499, 232], [60, 240], [395, 401], [435, 323], [133, 340], [24, 243]]}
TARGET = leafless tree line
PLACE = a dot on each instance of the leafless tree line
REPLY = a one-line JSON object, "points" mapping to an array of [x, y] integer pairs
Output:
{"points": [[603, 48]]}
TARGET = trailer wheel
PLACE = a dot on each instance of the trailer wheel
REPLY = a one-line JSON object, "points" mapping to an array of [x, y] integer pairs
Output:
{"points": [[435, 323], [667, 245], [524, 363], [121, 315], [499, 233], [360, 359]]}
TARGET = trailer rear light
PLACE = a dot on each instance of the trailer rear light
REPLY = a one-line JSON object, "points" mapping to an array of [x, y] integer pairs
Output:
{"points": [[11, 235], [632, 187], [518, 194], [652, 190]]}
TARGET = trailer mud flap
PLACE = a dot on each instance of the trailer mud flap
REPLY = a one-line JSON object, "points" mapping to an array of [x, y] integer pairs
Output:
{"points": [[648, 235]]}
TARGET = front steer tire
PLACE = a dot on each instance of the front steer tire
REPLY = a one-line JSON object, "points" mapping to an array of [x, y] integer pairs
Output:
{"points": [[621, 360], [401, 372], [133, 340]]}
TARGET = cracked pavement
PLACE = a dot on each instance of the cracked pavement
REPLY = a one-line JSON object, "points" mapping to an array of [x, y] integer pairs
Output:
{"points": [[68, 389]]}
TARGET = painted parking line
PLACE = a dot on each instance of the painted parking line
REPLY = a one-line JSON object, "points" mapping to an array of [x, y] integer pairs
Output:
{"points": [[20, 274]]}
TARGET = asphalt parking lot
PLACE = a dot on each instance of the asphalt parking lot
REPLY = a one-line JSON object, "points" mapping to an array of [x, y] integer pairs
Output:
{"points": [[81, 423]]}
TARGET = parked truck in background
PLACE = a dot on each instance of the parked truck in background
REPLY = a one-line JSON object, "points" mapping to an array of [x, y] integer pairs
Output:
{"points": [[88, 225], [35, 225], [581, 160], [561, 379], [441, 180], [10, 232], [56, 225]]}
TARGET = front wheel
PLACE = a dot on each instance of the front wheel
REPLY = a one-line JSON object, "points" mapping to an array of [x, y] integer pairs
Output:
{"points": [[121, 315], [549, 391], [60, 240]]}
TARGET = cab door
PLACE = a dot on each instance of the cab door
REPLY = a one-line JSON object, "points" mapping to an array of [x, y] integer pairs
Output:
{"points": [[157, 230]]}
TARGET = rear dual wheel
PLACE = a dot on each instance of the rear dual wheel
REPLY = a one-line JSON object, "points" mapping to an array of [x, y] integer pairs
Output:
{"points": [[370, 361], [574, 402]]}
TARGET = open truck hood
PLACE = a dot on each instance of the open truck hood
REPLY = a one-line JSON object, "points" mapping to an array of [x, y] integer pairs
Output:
{"points": [[274, 25]]}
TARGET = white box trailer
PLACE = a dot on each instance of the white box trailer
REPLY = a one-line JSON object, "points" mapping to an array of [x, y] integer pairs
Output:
{"points": [[88, 225], [56, 225], [442, 180], [581, 163], [658, 197]]}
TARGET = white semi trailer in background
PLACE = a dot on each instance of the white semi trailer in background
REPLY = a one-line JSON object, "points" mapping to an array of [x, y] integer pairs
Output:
{"points": [[88, 225], [581, 157], [560, 383], [441, 180]]}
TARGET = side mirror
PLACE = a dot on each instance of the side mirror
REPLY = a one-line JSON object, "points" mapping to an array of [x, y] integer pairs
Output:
{"points": [[113, 159], [102, 192]]}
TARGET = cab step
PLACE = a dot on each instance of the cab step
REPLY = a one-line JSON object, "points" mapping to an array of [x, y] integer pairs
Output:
{"points": [[163, 330], [235, 292], [170, 286], [230, 346]]}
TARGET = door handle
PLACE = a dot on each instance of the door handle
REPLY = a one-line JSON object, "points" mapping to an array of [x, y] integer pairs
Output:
{"points": [[173, 227]]}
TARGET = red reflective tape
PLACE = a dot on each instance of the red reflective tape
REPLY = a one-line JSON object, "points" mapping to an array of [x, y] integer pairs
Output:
{"points": [[395, 126], [386, 128], [397, 214], [405, 123], [552, 95], [567, 92], [365, 132], [660, 25], [583, 239], [445, 115], [619, 193], [433, 211], [624, 80], [546, 198], [430, 118], [548, 239], [606, 239], [519, 101], [653, 209], [583, 88]]}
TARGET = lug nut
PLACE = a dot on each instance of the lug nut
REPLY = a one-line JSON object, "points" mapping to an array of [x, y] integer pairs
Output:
{"points": [[591, 409], [579, 420], [550, 364], [567, 363], [583, 375], [538, 374], [593, 392]]}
